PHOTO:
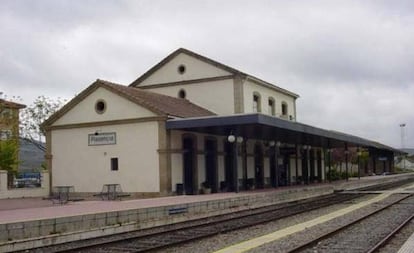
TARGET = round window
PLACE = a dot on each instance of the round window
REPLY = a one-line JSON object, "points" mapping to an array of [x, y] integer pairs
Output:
{"points": [[100, 106], [181, 69], [182, 94]]}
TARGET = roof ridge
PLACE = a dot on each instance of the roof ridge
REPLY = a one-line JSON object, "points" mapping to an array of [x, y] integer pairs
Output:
{"points": [[215, 63]]}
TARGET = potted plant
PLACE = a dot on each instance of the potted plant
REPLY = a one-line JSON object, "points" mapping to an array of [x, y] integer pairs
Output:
{"points": [[205, 188]]}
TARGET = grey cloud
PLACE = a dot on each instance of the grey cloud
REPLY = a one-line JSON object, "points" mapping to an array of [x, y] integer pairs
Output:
{"points": [[350, 61]]}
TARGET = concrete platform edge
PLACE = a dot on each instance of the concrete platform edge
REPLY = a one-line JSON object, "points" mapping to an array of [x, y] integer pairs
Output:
{"points": [[33, 234]]}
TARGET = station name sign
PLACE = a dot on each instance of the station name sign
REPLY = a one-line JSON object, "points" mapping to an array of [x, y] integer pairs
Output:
{"points": [[97, 139]]}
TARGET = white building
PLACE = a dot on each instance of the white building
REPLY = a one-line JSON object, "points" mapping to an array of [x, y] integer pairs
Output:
{"points": [[186, 121]]}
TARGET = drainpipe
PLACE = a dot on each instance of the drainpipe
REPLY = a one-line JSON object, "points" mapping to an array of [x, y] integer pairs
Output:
{"points": [[346, 160]]}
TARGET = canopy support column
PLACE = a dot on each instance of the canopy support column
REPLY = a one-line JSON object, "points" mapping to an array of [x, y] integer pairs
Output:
{"points": [[346, 160]]}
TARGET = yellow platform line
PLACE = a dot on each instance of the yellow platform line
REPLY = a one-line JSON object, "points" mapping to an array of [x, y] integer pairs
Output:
{"points": [[258, 241]]}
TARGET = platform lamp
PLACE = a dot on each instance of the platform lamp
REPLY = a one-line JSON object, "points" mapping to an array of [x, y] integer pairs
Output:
{"points": [[235, 140]]}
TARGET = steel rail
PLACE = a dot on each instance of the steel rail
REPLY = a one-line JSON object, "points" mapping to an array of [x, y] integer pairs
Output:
{"points": [[116, 238], [206, 230], [384, 241], [312, 242]]}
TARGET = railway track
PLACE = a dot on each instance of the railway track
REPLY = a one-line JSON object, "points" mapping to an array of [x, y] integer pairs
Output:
{"points": [[366, 234], [143, 240], [164, 236]]}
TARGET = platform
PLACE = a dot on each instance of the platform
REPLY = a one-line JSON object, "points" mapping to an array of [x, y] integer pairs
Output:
{"points": [[28, 223], [408, 246]]}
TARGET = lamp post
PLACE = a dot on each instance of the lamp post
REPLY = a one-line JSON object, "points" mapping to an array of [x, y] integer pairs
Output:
{"points": [[235, 140]]}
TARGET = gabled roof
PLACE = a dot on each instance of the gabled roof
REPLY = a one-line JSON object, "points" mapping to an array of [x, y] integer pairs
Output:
{"points": [[211, 62], [9, 104], [159, 104]]}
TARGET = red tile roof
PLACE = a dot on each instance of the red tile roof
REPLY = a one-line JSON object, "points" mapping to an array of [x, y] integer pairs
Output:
{"points": [[9, 104], [161, 104]]}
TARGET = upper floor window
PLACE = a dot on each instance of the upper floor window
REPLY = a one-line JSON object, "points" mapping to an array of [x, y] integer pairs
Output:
{"points": [[181, 69], [256, 102], [284, 109], [271, 104], [100, 106], [5, 135], [182, 93], [5, 113]]}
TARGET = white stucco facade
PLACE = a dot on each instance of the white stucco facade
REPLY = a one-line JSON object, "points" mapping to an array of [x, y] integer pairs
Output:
{"points": [[217, 96], [194, 69], [117, 108], [155, 160], [251, 88], [88, 167]]}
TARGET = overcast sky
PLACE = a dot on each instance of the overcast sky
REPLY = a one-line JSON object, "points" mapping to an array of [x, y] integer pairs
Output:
{"points": [[352, 62]]}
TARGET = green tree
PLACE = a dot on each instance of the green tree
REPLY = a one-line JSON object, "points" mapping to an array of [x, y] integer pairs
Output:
{"points": [[9, 158], [9, 139], [34, 115]]}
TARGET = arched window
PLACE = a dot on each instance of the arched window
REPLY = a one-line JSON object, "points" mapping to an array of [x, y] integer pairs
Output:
{"points": [[271, 104], [182, 94], [284, 109], [256, 102]]}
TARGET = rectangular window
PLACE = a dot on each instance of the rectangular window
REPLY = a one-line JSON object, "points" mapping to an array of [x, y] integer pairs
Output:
{"points": [[114, 163], [5, 135], [6, 113]]}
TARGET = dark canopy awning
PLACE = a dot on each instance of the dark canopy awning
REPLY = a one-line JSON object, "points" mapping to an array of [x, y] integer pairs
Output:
{"points": [[264, 127]]}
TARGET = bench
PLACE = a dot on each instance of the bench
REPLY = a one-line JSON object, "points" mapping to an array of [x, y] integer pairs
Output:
{"points": [[61, 195], [177, 210], [111, 192]]}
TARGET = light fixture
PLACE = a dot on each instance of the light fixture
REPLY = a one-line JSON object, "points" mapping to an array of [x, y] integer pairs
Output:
{"points": [[231, 138], [239, 139], [271, 143], [278, 144]]}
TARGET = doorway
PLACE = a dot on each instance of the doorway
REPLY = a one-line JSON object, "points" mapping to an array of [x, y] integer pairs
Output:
{"points": [[189, 164], [228, 160], [210, 149], [258, 166], [273, 172]]}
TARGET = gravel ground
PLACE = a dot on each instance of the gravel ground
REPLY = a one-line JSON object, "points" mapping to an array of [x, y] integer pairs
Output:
{"points": [[397, 242], [287, 243], [220, 241]]}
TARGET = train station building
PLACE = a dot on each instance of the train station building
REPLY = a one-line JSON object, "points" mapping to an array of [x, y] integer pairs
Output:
{"points": [[190, 123]]}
